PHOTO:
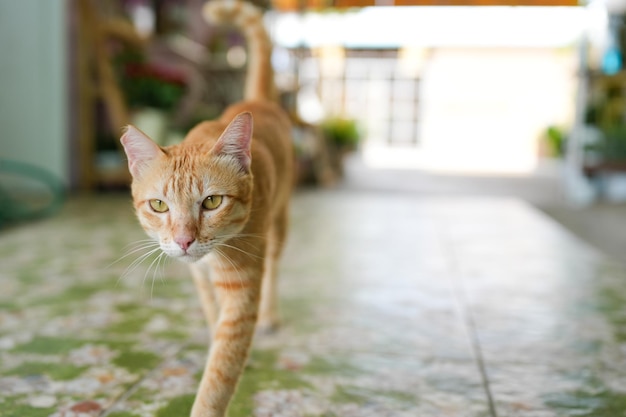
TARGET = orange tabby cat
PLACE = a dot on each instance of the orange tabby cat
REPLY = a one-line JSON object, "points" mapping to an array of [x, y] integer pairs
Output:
{"points": [[219, 201]]}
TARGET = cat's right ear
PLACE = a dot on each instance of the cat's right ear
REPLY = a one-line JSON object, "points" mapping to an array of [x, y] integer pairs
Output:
{"points": [[140, 150]]}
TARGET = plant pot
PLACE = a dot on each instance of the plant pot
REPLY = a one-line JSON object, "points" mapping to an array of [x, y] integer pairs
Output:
{"points": [[614, 187], [151, 121]]}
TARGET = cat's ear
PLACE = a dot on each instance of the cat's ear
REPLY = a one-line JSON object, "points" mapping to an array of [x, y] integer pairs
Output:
{"points": [[236, 140], [140, 150]]}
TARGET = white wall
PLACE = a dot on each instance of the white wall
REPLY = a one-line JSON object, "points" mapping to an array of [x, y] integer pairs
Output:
{"points": [[33, 85], [485, 109]]}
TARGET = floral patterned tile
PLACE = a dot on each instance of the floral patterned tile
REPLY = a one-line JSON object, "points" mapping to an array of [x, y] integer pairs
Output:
{"points": [[392, 306]]}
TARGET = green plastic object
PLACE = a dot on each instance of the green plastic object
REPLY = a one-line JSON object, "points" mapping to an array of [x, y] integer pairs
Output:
{"points": [[27, 192]]}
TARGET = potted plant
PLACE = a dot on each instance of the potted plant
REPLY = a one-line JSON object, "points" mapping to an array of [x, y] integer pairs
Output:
{"points": [[152, 92], [342, 136], [554, 140], [342, 133]]}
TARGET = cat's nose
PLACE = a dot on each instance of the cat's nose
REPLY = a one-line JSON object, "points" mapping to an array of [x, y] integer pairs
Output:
{"points": [[184, 242]]}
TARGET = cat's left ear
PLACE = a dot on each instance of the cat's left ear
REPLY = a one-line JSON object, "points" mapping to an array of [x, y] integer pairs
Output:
{"points": [[236, 140], [140, 150]]}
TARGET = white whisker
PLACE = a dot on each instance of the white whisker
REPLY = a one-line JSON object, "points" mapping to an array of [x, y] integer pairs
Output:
{"points": [[141, 245], [240, 250], [154, 262], [242, 235], [223, 255], [135, 264], [155, 272], [139, 260], [162, 263], [138, 242]]}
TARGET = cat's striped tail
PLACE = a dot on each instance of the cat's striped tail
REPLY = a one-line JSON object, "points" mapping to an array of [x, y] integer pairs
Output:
{"points": [[249, 20]]}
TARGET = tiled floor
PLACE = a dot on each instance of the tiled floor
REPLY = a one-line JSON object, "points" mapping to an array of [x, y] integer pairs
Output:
{"points": [[393, 305]]}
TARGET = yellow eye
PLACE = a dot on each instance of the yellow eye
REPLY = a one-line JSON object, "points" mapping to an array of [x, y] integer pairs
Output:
{"points": [[212, 202], [158, 205]]}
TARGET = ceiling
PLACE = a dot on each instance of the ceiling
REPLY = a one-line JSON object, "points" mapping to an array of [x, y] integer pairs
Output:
{"points": [[321, 4]]}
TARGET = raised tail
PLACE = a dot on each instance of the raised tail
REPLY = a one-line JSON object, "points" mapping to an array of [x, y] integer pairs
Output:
{"points": [[249, 20]]}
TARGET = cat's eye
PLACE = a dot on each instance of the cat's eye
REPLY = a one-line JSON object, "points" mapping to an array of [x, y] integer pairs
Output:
{"points": [[158, 205], [212, 202]]}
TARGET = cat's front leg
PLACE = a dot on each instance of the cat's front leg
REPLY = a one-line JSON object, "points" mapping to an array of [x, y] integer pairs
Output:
{"points": [[201, 277], [238, 290]]}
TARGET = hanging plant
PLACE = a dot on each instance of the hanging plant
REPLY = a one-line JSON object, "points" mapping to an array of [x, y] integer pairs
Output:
{"points": [[150, 85]]}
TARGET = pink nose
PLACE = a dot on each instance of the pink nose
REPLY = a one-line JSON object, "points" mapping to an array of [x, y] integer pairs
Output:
{"points": [[184, 242]]}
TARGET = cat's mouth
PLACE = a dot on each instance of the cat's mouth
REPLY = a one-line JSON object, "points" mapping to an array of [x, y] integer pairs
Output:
{"points": [[187, 257], [193, 253]]}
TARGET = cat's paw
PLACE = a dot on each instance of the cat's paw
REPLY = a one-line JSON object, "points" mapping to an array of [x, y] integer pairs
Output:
{"points": [[267, 327]]}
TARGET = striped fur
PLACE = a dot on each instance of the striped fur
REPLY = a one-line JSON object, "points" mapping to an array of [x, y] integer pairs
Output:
{"points": [[249, 20], [232, 249]]}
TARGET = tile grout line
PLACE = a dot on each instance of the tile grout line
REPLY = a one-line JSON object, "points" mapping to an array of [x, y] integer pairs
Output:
{"points": [[471, 327], [459, 294]]}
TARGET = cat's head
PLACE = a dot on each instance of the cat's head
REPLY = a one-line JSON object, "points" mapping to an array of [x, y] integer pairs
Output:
{"points": [[191, 198]]}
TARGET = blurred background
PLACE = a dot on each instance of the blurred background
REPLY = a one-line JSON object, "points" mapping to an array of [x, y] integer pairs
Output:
{"points": [[518, 98]]}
